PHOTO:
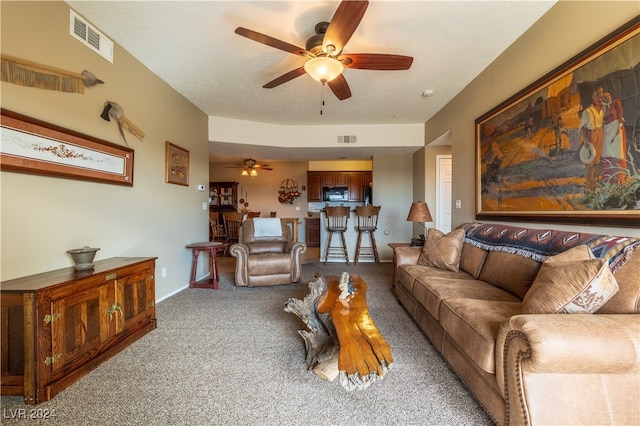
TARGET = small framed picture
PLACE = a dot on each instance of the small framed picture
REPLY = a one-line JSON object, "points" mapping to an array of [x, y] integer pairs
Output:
{"points": [[177, 165]]}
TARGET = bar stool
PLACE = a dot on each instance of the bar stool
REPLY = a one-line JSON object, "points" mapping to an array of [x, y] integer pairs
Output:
{"points": [[367, 217], [337, 218]]}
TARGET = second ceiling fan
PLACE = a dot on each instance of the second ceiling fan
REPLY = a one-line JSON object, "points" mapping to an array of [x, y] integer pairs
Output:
{"points": [[250, 167], [325, 60]]}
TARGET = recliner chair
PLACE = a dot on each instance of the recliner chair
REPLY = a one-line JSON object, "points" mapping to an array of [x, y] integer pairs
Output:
{"points": [[263, 258]]}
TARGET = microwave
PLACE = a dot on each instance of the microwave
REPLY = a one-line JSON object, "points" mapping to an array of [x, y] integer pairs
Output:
{"points": [[335, 193]]}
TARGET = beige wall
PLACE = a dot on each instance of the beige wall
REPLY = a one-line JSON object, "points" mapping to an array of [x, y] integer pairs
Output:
{"points": [[392, 191], [567, 29], [43, 217]]}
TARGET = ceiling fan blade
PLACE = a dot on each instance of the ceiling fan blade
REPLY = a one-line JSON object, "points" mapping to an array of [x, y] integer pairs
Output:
{"points": [[378, 61], [340, 88], [284, 78], [343, 24], [270, 41]]}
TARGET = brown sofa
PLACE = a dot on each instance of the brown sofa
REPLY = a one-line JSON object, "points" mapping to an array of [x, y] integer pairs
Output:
{"points": [[531, 368], [263, 260]]}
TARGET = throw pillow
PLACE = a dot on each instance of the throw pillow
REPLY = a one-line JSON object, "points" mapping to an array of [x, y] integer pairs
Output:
{"points": [[570, 282], [442, 251]]}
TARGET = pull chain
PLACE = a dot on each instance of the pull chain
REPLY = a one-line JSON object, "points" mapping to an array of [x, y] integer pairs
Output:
{"points": [[322, 98]]}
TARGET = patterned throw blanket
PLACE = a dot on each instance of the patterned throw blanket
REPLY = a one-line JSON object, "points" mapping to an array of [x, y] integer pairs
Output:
{"points": [[538, 244]]}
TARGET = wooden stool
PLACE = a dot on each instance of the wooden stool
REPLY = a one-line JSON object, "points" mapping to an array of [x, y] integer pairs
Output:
{"points": [[212, 247], [337, 218], [367, 217]]}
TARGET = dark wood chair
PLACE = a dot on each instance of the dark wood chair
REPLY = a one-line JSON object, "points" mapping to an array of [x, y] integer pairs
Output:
{"points": [[232, 223], [218, 233]]}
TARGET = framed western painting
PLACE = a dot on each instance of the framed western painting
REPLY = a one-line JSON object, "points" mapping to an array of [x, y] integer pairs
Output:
{"points": [[567, 148], [37, 147], [176, 165]]}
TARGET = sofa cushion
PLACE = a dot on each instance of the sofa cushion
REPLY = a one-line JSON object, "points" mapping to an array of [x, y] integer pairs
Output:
{"points": [[431, 290], [509, 271], [471, 259], [571, 282], [407, 274], [473, 325], [442, 251]]}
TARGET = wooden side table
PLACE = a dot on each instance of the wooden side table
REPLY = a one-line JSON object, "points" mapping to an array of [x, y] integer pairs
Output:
{"points": [[293, 221], [212, 248]]}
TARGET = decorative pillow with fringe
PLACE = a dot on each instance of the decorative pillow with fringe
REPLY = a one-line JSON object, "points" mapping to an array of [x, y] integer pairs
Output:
{"points": [[571, 282]]}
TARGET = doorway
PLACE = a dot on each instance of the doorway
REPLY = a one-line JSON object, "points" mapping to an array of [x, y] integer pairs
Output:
{"points": [[443, 192]]}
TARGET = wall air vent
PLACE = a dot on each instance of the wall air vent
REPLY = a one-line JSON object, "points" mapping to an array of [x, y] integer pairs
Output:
{"points": [[347, 139], [89, 35]]}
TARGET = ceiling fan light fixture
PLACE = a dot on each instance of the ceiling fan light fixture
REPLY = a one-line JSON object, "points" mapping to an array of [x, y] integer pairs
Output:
{"points": [[253, 173], [244, 172], [323, 68]]}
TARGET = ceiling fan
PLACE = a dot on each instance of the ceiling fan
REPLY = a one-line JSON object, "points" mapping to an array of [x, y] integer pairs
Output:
{"points": [[325, 60], [250, 167]]}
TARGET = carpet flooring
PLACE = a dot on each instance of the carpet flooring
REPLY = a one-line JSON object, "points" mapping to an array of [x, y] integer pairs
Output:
{"points": [[233, 357]]}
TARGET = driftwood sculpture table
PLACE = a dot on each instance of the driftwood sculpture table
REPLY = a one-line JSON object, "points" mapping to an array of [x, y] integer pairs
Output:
{"points": [[342, 339]]}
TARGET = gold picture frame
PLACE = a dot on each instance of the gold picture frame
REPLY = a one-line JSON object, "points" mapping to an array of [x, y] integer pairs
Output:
{"points": [[37, 147], [537, 157], [176, 165]]}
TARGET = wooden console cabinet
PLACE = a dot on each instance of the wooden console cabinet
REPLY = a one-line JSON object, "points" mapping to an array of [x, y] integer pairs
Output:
{"points": [[59, 325]]}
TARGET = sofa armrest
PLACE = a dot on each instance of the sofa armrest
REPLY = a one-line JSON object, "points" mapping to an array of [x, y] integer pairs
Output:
{"points": [[574, 367], [296, 249], [407, 255], [241, 253]]}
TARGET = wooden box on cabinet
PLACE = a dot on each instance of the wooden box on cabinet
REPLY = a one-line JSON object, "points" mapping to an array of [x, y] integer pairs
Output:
{"points": [[59, 325]]}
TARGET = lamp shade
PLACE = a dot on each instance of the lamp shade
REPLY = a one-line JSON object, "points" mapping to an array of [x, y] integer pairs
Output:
{"points": [[323, 68], [419, 212]]}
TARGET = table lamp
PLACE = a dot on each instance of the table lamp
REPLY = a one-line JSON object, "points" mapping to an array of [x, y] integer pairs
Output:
{"points": [[419, 212]]}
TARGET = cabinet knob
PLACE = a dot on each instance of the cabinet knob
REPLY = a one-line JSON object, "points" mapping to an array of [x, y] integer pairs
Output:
{"points": [[51, 359], [51, 317], [115, 308]]}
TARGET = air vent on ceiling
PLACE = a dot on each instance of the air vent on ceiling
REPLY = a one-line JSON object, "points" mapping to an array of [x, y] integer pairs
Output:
{"points": [[89, 35], [347, 139]]}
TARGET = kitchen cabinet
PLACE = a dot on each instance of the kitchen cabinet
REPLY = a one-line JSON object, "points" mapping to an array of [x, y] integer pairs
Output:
{"points": [[367, 179], [314, 186], [313, 232], [355, 186], [59, 325], [353, 180], [334, 178]]}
